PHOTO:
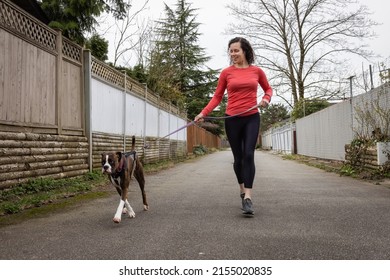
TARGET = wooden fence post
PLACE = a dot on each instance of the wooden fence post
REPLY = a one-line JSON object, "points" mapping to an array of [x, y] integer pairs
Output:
{"points": [[59, 82], [88, 104]]}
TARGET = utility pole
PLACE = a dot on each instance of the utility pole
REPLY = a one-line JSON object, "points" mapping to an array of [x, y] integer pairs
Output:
{"points": [[372, 81], [350, 100]]}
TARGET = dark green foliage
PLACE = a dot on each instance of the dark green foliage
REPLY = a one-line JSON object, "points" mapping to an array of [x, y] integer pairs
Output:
{"points": [[98, 47], [137, 72], [77, 17], [305, 107], [200, 150], [38, 192], [274, 113]]}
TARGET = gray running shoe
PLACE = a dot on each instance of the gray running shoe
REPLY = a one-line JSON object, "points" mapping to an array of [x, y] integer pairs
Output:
{"points": [[248, 207]]}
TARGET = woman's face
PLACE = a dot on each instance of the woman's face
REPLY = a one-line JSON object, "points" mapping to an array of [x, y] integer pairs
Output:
{"points": [[236, 53]]}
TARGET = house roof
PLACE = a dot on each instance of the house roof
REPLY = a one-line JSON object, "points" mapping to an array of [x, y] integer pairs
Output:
{"points": [[32, 7]]}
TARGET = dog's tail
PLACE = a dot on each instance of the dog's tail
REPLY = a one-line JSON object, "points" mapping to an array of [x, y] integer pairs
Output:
{"points": [[133, 143]]}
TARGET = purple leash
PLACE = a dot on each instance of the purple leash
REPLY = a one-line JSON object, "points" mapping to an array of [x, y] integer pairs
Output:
{"points": [[173, 132], [207, 118], [177, 130]]}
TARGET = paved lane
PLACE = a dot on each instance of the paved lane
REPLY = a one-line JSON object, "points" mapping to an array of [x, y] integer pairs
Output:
{"points": [[300, 213]]}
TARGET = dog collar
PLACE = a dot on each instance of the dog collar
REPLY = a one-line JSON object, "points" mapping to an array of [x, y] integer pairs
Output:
{"points": [[118, 173], [121, 169]]}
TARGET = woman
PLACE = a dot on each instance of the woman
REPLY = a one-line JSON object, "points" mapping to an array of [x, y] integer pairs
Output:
{"points": [[242, 122]]}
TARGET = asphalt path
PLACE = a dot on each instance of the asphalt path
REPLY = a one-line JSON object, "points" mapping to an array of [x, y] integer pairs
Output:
{"points": [[301, 212]]}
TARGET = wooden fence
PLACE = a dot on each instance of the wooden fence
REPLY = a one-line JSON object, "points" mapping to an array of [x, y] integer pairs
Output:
{"points": [[42, 76], [375, 156], [198, 136], [29, 155], [42, 131], [45, 106]]}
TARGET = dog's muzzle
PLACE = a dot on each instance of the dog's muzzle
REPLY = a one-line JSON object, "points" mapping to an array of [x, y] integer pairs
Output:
{"points": [[106, 169]]}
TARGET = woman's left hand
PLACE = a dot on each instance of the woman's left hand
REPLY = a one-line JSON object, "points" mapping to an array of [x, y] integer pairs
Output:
{"points": [[263, 104]]}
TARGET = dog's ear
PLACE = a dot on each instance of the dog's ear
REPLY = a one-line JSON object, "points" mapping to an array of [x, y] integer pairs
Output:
{"points": [[119, 154]]}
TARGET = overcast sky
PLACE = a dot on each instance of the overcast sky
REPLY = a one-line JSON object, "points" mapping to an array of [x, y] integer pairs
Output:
{"points": [[214, 17]]}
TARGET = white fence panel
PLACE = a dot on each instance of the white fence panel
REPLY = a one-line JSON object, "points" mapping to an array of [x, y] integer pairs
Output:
{"points": [[164, 123], [174, 124], [266, 139], [107, 108], [182, 135], [108, 117], [325, 133], [279, 139], [282, 138], [134, 115], [151, 120]]}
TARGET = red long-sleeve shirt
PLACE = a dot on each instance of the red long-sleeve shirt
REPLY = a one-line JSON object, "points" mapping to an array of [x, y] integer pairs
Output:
{"points": [[241, 85]]}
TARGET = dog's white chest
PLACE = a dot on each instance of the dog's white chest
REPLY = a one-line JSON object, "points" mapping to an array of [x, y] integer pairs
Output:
{"points": [[116, 181]]}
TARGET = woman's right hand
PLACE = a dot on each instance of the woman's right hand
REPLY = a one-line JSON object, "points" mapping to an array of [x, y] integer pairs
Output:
{"points": [[199, 118]]}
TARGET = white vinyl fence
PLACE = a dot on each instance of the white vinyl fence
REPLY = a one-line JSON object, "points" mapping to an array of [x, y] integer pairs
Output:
{"points": [[324, 134], [280, 139], [117, 112]]}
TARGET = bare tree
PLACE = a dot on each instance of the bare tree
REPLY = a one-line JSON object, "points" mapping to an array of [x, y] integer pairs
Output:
{"points": [[301, 41], [144, 45], [127, 33]]}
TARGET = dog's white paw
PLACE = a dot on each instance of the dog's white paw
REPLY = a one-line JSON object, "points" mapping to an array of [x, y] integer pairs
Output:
{"points": [[146, 207], [131, 214], [117, 220]]}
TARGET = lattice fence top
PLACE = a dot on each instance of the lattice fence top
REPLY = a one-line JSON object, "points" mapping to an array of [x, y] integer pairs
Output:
{"points": [[71, 50], [105, 72], [24, 24]]}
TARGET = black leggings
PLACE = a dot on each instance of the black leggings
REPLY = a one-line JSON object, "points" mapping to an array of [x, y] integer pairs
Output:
{"points": [[242, 133]]}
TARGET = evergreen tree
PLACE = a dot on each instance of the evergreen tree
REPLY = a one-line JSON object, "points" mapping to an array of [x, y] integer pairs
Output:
{"points": [[273, 114], [177, 68], [305, 107], [98, 47], [75, 18]]}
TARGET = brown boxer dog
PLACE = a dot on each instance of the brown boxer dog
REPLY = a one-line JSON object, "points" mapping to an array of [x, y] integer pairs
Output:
{"points": [[120, 167]]}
